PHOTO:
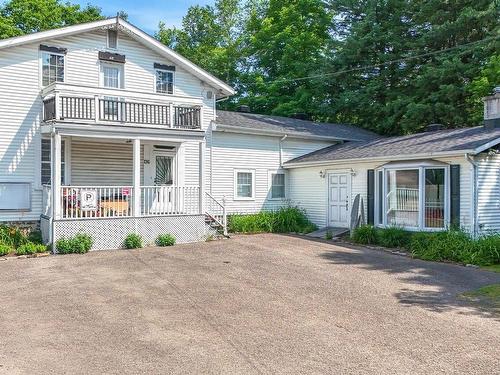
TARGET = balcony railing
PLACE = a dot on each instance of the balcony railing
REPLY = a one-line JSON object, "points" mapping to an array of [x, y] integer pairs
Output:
{"points": [[152, 110]]}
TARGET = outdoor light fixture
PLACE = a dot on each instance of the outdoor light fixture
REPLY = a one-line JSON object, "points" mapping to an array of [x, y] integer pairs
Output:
{"points": [[322, 174]]}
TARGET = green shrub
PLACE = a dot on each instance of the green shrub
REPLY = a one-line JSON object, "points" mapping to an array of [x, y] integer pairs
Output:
{"points": [[31, 248], [80, 244], [12, 236], [165, 240], [365, 234], [456, 246], [4, 249], [284, 220], [133, 241], [35, 236], [393, 237]]}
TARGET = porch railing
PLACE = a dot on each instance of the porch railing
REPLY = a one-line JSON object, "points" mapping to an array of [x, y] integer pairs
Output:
{"points": [[80, 202], [216, 211], [170, 200], [120, 110]]}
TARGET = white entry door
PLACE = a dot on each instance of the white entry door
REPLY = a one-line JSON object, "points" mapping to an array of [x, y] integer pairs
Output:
{"points": [[163, 195], [339, 191]]}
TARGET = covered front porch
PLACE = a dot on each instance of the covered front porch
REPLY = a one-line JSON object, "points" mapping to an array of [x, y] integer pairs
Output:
{"points": [[110, 184]]}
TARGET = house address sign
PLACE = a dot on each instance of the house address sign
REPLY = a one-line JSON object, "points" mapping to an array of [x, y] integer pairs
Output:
{"points": [[88, 200]]}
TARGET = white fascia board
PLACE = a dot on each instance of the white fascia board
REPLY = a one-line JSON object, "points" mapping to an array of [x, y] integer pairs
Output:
{"points": [[376, 159], [55, 33], [273, 133], [124, 132], [141, 36]]}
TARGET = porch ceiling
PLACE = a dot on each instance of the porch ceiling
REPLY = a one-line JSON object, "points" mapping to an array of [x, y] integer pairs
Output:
{"points": [[123, 132]]}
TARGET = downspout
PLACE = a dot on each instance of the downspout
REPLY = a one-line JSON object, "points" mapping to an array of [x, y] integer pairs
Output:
{"points": [[474, 212], [280, 149]]}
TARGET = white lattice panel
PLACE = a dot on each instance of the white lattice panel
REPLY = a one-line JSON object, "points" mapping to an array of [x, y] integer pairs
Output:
{"points": [[110, 233]]}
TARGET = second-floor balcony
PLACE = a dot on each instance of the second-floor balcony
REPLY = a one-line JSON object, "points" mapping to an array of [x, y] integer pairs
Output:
{"points": [[62, 102]]}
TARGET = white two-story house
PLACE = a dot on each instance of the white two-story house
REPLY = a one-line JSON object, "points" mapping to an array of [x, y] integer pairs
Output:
{"points": [[106, 131]]}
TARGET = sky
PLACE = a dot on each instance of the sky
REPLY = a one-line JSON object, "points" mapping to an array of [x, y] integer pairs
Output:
{"points": [[147, 14]]}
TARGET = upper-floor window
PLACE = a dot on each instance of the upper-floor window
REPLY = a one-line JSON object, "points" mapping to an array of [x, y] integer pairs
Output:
{"points": [[112, 39], [164, 81], [52, 68], [112, 75]]}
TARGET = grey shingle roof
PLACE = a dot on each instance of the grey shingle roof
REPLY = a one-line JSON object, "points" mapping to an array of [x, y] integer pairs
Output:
{"points": [[457, 140], [285, 125]]}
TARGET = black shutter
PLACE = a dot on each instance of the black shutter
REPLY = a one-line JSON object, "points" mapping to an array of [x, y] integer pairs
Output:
{"points": [[371, 196], [455, 195], [113, 57]]}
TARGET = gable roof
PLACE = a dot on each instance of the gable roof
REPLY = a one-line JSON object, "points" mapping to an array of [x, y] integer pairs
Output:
{"points": [[444, 142], [249, 123], [132, 31]]}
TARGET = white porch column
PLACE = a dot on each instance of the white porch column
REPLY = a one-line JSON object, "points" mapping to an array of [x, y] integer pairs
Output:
{"points": [[201, 166], [55, 175], [137, 177]]}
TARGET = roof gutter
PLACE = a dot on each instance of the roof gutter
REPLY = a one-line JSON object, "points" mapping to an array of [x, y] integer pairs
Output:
{"points": [[380, 158], [474, 197]]}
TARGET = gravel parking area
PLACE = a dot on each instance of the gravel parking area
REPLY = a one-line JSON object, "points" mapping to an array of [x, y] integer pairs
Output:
{"points": [[252, 304]]}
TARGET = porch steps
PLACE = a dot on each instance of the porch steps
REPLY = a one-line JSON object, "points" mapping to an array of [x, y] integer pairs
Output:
{"points": [[215, 224]]}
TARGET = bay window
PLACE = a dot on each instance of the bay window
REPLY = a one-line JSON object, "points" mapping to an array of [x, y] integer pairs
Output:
{"points": [[412, 196]]}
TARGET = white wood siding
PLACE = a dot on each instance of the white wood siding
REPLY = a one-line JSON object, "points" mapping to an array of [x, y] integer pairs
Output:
{"points": [[20, 110], [260, 154], [488, 197], [309, 190], [21, 106]]}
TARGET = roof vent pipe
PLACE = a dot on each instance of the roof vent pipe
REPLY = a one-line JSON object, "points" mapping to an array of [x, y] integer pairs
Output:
{"points": [[492, 110], [243, 108], [434, 127]]}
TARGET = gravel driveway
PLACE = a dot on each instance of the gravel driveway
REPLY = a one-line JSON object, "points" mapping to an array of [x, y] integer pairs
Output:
{"points": [[251, 304]]}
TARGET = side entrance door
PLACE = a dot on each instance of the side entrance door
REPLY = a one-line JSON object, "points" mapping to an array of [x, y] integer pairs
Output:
{"points": [[339, 191]]}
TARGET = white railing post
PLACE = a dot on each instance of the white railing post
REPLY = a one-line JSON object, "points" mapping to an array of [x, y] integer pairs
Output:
{"points": [[97, 109], [55, 178], [171, 115], [137, 177], [224, 215], [57, 105], [201, 168]]}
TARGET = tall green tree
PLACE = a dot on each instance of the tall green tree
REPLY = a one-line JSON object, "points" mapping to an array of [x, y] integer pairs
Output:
{"points": [[18, 17], [286, 40], [211, 37], [428, 82]]}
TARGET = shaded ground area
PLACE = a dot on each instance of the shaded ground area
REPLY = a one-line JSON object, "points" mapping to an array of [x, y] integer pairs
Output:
{"points": [[252, 304]]}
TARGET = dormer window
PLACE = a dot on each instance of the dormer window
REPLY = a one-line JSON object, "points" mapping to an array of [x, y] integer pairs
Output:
{"points": [[164, 78], [112, 39]]}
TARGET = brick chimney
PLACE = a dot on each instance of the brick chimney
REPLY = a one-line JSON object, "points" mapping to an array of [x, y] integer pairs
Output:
{"points": [[492, 109]]}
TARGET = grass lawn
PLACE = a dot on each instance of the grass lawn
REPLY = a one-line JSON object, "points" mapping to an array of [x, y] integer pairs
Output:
{"points": [[493, 267], [487, 295]]}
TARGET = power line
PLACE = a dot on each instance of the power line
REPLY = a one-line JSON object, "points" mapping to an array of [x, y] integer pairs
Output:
{"points": [[381, 64]]}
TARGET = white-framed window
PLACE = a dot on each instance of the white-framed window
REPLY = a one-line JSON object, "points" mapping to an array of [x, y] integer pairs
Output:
{"points": [[277, 185], [52, 67], [244, 184], [112, 39], [164, 81], [112, 75], [412, 196], [45, 161]]}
